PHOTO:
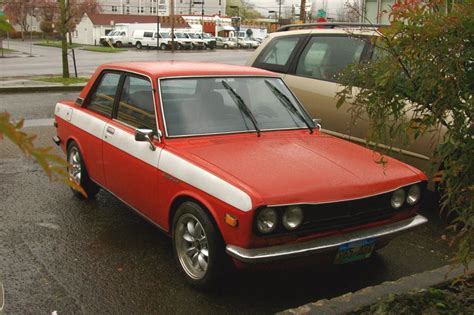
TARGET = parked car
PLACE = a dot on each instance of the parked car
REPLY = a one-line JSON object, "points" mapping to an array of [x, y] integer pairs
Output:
{"points": [[309, 60], [144, 39], [183, 41], [196, 41], [117, 38], [238, 42], [166, 40], [250, 42], [226, 161], [208, 39], [223, 42]]}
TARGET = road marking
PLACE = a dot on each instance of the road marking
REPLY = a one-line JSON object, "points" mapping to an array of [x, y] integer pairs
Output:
{"points": [[42, 122]]}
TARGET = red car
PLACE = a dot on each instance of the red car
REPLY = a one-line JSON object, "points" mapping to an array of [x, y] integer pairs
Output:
{"points": [[226, 161]]}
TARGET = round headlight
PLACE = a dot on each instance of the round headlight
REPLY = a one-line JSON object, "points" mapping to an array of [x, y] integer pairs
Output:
{"points": [[398, 198], [292, 218], [414, 195], [267, 220]]}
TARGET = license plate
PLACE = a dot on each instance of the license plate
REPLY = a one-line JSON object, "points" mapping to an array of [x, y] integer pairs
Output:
{"points": [[355, 251]]}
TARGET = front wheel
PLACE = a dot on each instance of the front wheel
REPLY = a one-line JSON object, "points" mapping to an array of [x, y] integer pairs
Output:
{"points": [[198, 246], [226, 46], [163, 47], [138, 45], [78, 173]]}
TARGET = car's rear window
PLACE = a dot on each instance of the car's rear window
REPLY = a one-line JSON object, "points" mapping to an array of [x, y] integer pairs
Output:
{"points": [[278, 54]]}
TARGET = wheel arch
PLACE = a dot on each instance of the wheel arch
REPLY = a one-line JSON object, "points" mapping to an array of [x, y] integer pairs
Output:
{"points": [[188, 196]]}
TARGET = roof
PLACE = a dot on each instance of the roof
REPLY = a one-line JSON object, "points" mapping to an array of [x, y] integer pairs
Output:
{"points": [[182, 68], [344, 30], [106, 19]]}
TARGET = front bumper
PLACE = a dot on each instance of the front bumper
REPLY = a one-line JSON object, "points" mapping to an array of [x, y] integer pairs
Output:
{"points": [[266, 254]]}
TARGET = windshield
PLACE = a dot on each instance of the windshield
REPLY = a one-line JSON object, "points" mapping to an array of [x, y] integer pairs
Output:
{"points": [[195, 36], [206, 35], [200, 106], [165, 35], [112, 33], [179, 35]]}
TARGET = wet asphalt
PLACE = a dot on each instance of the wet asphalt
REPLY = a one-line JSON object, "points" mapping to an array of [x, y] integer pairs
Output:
{"points": [[59, 253]]}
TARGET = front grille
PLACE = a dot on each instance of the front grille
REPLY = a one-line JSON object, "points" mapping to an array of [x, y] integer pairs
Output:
{"points": [[339, 215]]}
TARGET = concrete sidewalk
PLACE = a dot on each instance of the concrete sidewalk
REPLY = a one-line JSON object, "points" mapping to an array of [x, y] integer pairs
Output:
{"points": [[27, 84], [370, 295]]}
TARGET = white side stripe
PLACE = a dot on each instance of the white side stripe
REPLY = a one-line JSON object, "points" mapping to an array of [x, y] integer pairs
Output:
{"points": [[161, 159], [203, 180], [126, 142]]}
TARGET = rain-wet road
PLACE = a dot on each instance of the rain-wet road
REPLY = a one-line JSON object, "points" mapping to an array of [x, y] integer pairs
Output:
{"points": [[58, 253]]}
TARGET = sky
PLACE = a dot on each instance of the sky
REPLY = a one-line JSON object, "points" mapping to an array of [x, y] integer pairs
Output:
{"points": [[263, 6]]}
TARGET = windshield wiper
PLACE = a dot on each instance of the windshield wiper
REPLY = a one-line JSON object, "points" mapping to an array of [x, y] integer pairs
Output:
{"points": [[288, 104], [242, 106]]}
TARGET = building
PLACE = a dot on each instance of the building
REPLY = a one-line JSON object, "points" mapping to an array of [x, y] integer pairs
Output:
{"points": [[151, 7], [376, 11], [92, 27]]}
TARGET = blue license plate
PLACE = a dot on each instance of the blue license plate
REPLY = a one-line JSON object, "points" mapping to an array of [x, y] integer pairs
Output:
{"points": [[353, 251]]}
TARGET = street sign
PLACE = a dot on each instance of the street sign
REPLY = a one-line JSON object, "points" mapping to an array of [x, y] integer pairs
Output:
{"points": [[321, 13]]}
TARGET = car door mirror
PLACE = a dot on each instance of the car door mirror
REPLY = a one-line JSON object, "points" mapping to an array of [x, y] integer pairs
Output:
{"points": [[142, 135], [317, 123]]}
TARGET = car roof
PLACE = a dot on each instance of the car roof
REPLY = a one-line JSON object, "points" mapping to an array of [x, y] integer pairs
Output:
{"points": [[159, 69], [336, 31]]}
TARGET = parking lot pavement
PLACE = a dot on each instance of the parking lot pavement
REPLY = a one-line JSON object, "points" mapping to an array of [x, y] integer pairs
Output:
{"points": [[58, 253], [47, 60]]}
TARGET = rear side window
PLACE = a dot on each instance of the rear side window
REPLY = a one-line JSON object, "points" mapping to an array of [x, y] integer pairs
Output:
{"points": [[326, 56], [148, 34], [278, 54], [136, 107], [102, 100]]}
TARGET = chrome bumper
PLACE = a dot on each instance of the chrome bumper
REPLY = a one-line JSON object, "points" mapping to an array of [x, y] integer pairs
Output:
{"points": [[261, 255]]}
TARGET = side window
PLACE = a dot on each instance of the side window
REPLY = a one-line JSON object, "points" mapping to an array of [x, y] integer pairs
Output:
{"points": [[102, 100], [136, 107], [148, 34], [277, 55], [326, 56]]}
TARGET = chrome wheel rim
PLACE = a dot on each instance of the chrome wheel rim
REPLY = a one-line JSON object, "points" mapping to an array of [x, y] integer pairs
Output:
{"points": [[75, 167], [192, 246]]}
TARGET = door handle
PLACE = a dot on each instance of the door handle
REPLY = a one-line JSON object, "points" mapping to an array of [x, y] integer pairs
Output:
{"points": [[110, 130]]}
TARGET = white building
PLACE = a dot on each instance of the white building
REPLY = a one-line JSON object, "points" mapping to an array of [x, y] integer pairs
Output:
{"points": [[93, 26], [151, 7], [376, 11], [135, 7]]}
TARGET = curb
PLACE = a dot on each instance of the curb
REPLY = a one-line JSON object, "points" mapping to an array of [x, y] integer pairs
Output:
{"points": [[367, 296], [41, 88]]}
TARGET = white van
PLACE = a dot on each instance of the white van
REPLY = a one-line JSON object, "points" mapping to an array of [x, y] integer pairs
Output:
{"points": [[144, 38]]}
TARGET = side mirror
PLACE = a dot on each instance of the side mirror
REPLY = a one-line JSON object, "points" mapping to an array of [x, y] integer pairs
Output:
{"points": [[317, 123], [142, 135]]}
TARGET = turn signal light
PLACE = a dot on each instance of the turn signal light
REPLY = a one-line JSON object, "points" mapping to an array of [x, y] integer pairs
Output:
{"points": [[230, 220]]}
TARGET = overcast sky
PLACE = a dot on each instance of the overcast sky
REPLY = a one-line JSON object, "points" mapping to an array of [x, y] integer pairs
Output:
{"points": [[263, 6]]}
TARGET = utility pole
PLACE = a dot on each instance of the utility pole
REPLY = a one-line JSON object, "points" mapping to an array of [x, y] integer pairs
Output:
{"points": [[172, 24], [303, 11], [63, 30], [279, 11]]}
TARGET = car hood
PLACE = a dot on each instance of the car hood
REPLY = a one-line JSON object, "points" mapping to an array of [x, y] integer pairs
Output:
{"points": [[281, 169]]}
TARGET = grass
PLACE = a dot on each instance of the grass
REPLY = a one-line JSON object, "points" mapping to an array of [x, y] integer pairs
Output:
{"points": [[6, 50], [103, 49], [56, 43], [443, 300], [62, 80]]}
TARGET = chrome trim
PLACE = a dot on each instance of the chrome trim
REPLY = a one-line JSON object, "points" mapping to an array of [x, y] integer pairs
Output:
{"points": [[261, 255], [380, 145], [301, 107], [342, 200], [110, 67], [56, 140]]}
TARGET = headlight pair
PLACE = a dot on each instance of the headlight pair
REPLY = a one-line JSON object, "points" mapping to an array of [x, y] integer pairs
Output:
{"points": [[399, 197], [268, 218]]}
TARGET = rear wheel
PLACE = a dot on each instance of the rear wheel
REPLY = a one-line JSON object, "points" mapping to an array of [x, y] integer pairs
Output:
{"points": [[138, 45], [118, 44], [198, 246], [78, 173], [163, 46], [226, 46]]}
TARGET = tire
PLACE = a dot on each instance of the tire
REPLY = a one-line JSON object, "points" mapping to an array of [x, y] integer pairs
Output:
{"points": [[138, 45], [179, 47], [163, 46], [78, 173], [226, 46], [195, 235], [118, 44]]}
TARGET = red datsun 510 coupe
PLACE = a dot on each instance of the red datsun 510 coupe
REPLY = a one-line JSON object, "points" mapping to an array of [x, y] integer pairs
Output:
{"points": [[226, 161]]}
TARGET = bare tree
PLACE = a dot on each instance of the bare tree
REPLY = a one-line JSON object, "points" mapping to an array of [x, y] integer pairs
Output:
{"points": [[18, 12]]}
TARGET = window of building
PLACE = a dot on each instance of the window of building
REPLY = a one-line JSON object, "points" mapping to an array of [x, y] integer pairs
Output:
{"points": [[114, 8]]}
